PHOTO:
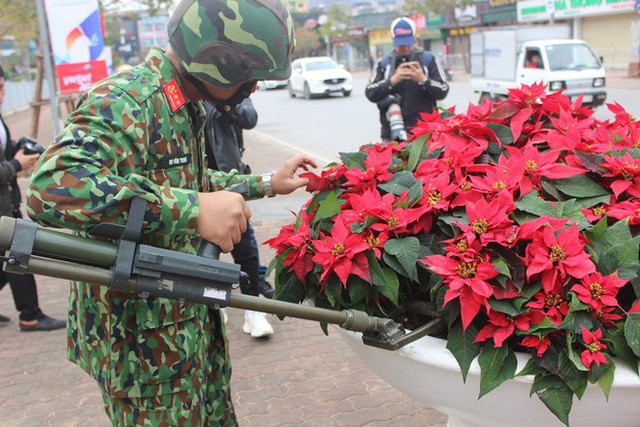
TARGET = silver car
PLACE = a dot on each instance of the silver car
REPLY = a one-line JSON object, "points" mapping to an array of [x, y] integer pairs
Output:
{"points": [[318, 76]]}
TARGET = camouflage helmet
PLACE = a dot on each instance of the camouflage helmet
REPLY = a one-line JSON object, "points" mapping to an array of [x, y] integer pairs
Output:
{"points": [[229, 42]]}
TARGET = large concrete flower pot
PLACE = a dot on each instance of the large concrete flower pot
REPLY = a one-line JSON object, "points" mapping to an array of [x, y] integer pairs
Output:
{"points": [[428, 372]]}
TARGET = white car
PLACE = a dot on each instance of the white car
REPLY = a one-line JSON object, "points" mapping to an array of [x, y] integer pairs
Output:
{"points": [[318, 76], [272, 84]]}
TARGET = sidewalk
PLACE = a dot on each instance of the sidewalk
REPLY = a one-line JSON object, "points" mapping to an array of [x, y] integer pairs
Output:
{"points": [[297, 377]]}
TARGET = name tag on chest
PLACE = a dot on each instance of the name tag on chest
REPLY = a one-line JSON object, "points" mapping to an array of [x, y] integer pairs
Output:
{"points": [[174, 161]]}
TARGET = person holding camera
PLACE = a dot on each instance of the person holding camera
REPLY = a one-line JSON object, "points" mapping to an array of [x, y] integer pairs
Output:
{"points": [[224, 146], [13, 159], [407, 82]]}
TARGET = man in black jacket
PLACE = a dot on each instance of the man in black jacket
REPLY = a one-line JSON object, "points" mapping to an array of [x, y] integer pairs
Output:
{"points": [[23, 287], [225, 145], [405, 83]]}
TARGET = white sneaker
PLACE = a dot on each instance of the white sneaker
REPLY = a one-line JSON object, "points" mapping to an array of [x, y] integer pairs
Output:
{"points": [[223, 314], [256, 324]]}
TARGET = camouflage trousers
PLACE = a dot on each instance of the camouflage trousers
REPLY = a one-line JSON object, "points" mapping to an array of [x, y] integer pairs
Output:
{"points": [[208, 405]]}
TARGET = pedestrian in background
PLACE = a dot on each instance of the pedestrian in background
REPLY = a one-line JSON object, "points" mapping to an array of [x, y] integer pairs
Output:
{"points": [[23, 286], [409, 80], [225, 145]]}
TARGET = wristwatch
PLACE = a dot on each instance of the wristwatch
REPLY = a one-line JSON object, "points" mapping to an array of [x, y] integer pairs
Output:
{"points": [[266, 184]]}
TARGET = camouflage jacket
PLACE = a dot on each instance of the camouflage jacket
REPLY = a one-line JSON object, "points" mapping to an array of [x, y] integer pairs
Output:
{"points": [[133, 134]]}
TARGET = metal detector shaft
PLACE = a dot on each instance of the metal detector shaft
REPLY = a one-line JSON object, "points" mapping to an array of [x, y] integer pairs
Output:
{"points": [[67, 256]]}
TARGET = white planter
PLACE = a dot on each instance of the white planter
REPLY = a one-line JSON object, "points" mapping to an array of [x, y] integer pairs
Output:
{"points": [[428, 372]]}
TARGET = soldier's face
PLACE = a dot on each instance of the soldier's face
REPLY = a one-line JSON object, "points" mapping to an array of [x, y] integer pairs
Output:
{"points": [[221, 94]]}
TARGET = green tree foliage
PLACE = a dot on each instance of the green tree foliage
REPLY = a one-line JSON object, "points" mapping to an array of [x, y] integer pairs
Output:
{"points": [[308, 42], [18, 19], [338, 22]]}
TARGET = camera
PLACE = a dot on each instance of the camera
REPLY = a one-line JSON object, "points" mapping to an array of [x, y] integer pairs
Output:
{"points": [[403, 59], [394, 114], [29, 146]]}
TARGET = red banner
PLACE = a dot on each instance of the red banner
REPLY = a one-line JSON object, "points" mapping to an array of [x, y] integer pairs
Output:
{"points": [[79, 76]]}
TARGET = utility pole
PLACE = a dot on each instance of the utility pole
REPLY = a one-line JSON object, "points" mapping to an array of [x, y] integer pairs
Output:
{"points": [[48, 71]]}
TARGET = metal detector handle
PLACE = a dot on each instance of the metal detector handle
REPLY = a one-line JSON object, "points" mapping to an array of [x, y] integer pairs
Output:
{"points": [[211, 250]]}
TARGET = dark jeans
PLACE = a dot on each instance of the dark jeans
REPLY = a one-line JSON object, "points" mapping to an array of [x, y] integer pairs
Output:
{"points": [[25, 294], [245, 254]]}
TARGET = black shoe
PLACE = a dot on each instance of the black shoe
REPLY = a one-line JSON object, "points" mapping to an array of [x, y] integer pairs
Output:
{"points": [[266, 289], [4, 320], [43, 323]]}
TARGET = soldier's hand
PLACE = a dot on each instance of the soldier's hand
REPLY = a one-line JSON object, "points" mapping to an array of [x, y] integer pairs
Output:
{"points": [[223, 218], [284, 180], [26, 160]]}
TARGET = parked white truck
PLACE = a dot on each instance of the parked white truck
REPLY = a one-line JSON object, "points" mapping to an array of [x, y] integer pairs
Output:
{"points": [[503, 59]]}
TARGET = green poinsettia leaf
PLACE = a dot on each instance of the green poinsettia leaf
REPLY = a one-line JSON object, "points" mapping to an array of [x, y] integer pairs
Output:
{"points": [[530, 203], [590, 202], [358, 289], [505, 306], [290, 289], [579, 186], [399, 183], [497, 365], [603, 375], [591, 161], [632, 332], [615, 249], [618, 345], [531, 368], [460, 344], [384, 279], [354, 160], [329, 207], [555, 395], [333, 292], [415, 193], [513, 261], [501, 266], [597, 372], [503, 133], [573, 377], [574, 321], [572, 355], [416, 150], [406, 251]]}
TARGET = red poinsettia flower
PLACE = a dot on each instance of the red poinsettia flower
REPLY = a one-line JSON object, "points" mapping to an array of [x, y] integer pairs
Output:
{"points": [[342, 253], [550, 304], [540, 343], [629, 210], [328, 178], [501, 326], [538, 165], [376, 170], [466, 281], [558, 256], [593, 353], [488, 220], [599, 291], [497, 178], [626, 173], [298, 240]]}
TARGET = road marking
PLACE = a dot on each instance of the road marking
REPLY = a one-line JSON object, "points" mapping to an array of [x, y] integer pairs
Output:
{"points": [[318, 158]]}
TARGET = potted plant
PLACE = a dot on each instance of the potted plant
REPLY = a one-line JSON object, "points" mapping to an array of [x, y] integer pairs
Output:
{"points": [[515, 223]]}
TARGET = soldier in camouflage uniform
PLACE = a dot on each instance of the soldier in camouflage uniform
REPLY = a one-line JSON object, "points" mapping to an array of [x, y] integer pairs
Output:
{"points": [[140, 134]]}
